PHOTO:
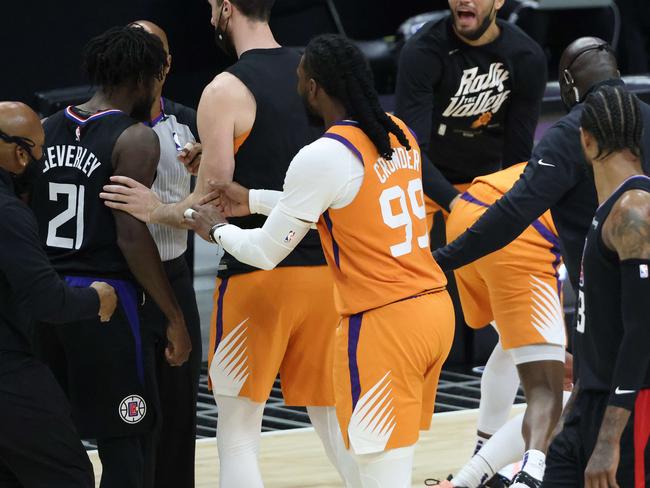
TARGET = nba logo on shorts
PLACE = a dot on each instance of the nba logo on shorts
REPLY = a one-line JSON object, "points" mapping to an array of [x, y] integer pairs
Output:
{"points": [[643, 270], [133, 409]]}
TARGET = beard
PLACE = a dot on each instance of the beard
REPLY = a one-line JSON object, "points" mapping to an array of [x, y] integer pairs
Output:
{"points": [[476, 34], [313, 119]]}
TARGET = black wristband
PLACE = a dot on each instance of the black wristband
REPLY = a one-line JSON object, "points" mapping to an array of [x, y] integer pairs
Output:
{"points": [[213, 229]]}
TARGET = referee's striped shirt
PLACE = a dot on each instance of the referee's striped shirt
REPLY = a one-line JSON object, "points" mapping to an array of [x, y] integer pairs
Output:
{"points": [[175, 127]]}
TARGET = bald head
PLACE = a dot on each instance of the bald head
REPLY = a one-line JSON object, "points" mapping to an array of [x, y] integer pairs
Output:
{"points": [[154, 29], [586, 62], [18, 120]]}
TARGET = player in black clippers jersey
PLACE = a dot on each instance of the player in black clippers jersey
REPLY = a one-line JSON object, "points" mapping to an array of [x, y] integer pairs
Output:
{"points": [[251, 124], [612, 333], [105, 369], [470, 86]]}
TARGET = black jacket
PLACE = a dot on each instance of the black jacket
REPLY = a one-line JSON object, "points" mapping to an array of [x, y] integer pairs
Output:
{"points": [[30, 289]]}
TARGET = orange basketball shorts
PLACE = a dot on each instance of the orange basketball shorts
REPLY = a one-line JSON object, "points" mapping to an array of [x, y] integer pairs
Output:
{"points": [[386, 369], [267, 322], [518, 286]]}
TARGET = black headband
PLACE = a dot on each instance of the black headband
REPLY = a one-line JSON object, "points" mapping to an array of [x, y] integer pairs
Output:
{"points": [[603, 46]]}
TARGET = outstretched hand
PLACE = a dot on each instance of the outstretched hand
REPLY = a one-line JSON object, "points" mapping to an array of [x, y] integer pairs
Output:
{"points": [[130, 196], [201, 218], [231, 198]]}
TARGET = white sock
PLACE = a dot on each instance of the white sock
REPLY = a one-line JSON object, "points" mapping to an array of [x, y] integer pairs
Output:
{"points": [[327, 427], [238, 442], [480, 442], [503, 448], [534, 463], [388, 469], [476, 472], [499, 385]]}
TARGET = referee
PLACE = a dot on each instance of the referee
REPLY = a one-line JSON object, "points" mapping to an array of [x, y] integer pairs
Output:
{"points": [[175, 126], [39, 445]]}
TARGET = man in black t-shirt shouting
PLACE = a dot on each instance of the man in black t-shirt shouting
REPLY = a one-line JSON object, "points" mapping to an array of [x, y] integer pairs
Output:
{"points": [[470, 86]]}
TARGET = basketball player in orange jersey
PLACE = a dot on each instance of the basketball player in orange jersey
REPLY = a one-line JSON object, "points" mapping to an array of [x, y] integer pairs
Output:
{"points": [[252, 123], [527, 311], [361, 182]]}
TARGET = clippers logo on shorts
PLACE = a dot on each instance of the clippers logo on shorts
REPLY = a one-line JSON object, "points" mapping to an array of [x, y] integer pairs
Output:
{"points": [[133, 409], [479, 95]]}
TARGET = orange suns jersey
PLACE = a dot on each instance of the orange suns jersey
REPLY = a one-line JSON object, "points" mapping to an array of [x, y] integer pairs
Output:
{"points": [[378, 245]]}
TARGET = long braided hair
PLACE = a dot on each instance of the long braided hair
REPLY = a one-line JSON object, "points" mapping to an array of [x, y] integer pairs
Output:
{"points": [[341, 69], [613, 116]]}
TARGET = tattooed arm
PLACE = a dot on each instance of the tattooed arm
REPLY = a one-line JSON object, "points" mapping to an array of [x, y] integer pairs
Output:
{"points": [[626, 232]]}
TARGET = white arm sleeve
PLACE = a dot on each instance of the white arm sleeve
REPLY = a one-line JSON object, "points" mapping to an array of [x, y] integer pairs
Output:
{"points": [[267, 246], [263, 201], [322, 175]]}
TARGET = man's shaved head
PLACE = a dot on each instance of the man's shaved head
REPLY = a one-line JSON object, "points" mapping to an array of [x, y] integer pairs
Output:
{"points": [[154, 29], [586, 62], [22, 127]]}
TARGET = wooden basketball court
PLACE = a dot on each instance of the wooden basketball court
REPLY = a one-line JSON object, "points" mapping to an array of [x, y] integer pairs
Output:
{"points": [[295, 458]]}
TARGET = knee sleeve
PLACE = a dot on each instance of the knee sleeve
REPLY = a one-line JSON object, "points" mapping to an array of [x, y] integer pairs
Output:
{"points": [[499, 385]]}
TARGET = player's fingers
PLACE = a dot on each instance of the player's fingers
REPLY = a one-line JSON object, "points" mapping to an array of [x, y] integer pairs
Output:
{"points": [[193, 167], [126, 181], [169, 354], [218, 185], [119, 189], [115, 205], [611, 477], [114, 197], [212, 197]]}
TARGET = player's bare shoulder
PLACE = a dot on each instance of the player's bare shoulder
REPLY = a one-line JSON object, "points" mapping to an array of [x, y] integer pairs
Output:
{"points": [[627, 230], [229, 94]]}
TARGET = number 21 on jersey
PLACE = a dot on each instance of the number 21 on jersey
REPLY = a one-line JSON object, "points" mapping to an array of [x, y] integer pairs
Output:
{"points": [[74, 210], [399, 208]]}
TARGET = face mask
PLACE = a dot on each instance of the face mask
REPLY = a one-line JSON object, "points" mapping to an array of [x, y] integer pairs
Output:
{"points": [[221, 38], [485, 25]]}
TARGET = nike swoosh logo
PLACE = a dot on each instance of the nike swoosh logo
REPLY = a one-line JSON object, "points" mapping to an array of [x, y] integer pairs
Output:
{"points": [[623, 392], [541, 162]]}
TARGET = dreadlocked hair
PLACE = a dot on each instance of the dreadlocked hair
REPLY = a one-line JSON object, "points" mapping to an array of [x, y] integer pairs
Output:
{"points": [[613, 116], [341, 69], [125, 54]]}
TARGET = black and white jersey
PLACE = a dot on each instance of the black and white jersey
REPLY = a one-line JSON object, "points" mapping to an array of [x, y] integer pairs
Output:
{"points": [[175, 127], [75, 227], [599, 329]]}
